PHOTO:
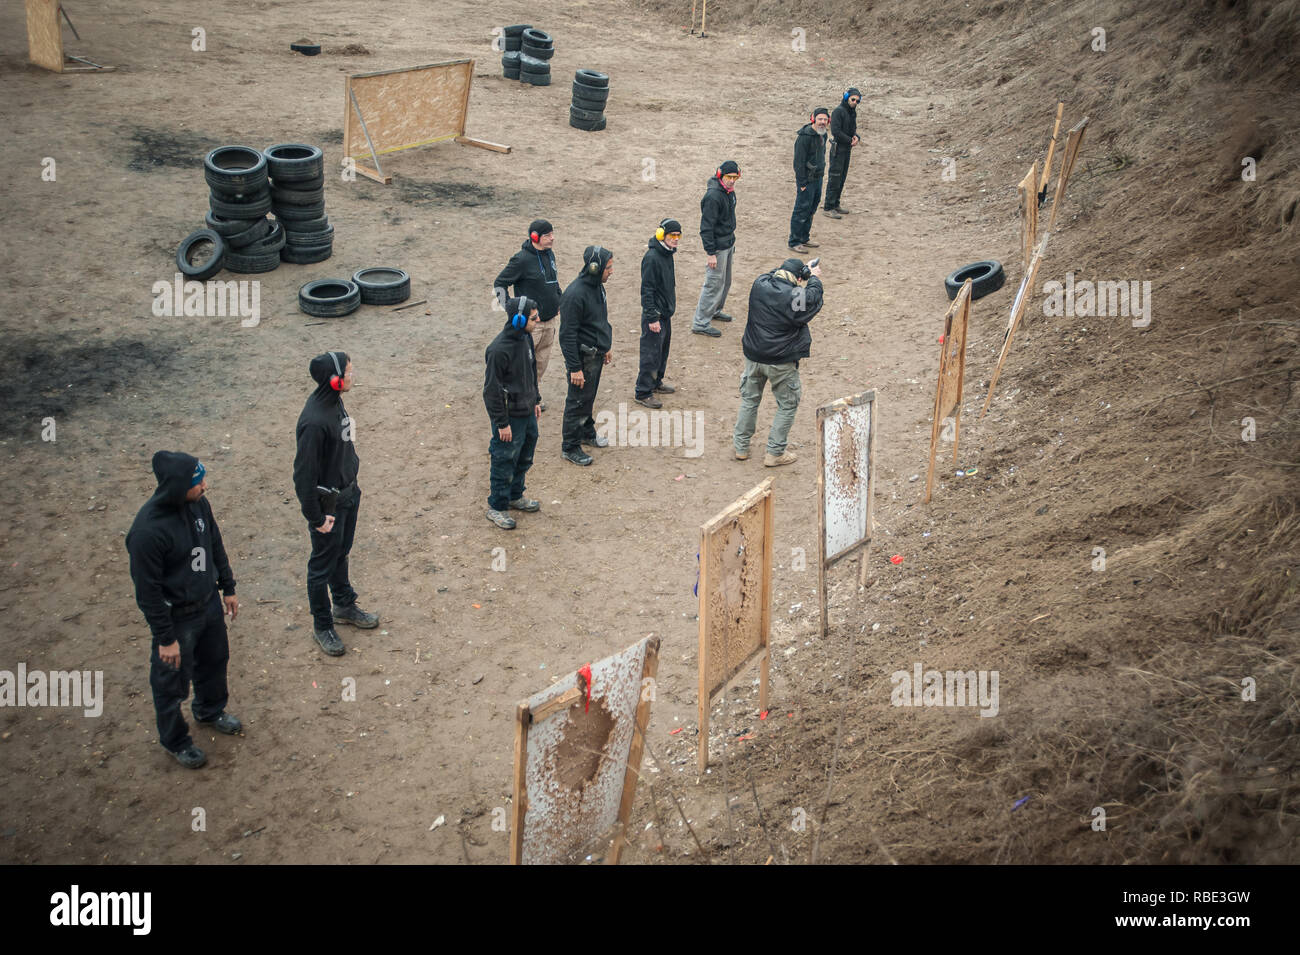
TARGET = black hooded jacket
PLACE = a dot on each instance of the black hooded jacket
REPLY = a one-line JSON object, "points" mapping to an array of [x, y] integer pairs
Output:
{"points": [[809, 155], [584, 316], [717, 218], [844, 124], [510, 385], [327, 455], [779, 312], [532, 273], [166, 568], [658, 283]]}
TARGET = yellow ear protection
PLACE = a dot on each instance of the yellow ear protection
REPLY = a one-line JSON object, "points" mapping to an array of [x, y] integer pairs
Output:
{"points": [[594, 267], [659, 232], [336, 380]]}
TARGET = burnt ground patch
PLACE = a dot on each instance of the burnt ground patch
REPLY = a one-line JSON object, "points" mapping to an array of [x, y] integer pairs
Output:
{"points": [[468, 194], [167, 148]]}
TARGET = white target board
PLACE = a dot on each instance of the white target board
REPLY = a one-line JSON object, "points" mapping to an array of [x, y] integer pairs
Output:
{"points": [[846, 478]]}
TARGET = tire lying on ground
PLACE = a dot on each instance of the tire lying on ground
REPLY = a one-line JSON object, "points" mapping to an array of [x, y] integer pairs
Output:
{"points": [[592, 78], [257, 229], [293, 196], [591, 127], [300, 238], [510, 65], [235, 169], [294, 162], [292, 213], [252, 207], [383, 286], [986, 277], [582, 100], [590, 117], [203, 269], [306, 254], [273, 241], [226, 227], [329, 298], [539, 50], [261, 262]]}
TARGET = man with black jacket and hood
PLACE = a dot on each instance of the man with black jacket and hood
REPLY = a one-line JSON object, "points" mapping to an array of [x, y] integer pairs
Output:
{"points": [[513, 404], [658, 302], [178, 563], [585, 341], [809, 168], [844, 136], [781, 304], [531, 271], [718, 234], [325, 479]]}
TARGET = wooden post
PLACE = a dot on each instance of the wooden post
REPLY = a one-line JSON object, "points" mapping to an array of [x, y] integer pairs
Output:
{"points": [[769, 508], [639, 726], [704, 16], [702, 744], [1051, 149], [1072, 142], [1029, 214], [519, 805], [821, 526]]}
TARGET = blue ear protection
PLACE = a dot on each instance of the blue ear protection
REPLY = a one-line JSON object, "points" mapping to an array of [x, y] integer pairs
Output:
{"points": [[519, 319], [845, 97]]}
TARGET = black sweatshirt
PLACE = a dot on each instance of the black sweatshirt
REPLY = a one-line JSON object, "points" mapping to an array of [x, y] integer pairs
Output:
{"points": [[809, 156], [776, 332], [510, 384], [844, 124], [658, 283], [717, 218], [166, 568], [327, 455], [532, 273], [584, 316]]}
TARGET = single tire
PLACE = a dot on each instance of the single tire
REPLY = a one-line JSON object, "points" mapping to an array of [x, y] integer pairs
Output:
{"points": [[273, 241], [510, 61], [257, 230], [986, 277], [589, 126], [294, 162], [587, 105], [540, 38], [531, 64], [514, 44], [305, 255], [205, 268], [241, 209], [235, 169], [536, 79], [592, 78], [537, 52], [329, 298], [226, 227], [587, 116], [516, 29], [594, 94], [306, 225], [261, 262], [306, 49], [297, 197], [383, 286], [290, 213], [511, 74], [301, 238]]}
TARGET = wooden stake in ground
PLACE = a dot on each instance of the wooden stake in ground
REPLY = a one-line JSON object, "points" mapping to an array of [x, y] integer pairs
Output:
{"points": [[1072, 142], [648, 671], [1051, 149], [952, 376], [1017, 309], [1028, 215]]}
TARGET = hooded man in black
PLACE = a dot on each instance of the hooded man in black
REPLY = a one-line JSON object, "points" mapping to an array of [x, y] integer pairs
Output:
{"points": [[178, 562], [844, 136], [585, 340], [718, 235], [658, 302], [809, 169], [531, 271], [325, 478], [513, 404]]}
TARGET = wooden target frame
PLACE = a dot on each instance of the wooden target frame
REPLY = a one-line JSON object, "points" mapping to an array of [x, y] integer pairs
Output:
{"points": [[952, 376], [45, 40], [391, 110], [1028, 190], [859, 458], [1041, 188], [1017, 309], [733, 628]]}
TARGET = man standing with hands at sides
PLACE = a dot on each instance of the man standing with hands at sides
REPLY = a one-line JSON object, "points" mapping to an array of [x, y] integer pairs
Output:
{"points": [[718, 233], [658, 302], [325, 478], [844, 136], [178, 563], [809, 167], [781, 304], [585, 341], [531, 271], [510, 394]]}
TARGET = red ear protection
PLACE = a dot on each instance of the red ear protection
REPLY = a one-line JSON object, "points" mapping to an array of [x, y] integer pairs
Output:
{"points": [[336, 381], [535, 237]]}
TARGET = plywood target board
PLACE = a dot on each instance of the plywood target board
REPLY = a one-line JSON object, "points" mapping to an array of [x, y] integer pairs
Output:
{"points": [[578, 758], [952, 376], [735, 599], [847, 428]]}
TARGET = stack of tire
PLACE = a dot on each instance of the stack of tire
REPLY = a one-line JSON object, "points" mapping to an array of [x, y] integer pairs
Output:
{"points": [[239, 200], [297, 196], [513, 35], [590, 96], [535, 52]]}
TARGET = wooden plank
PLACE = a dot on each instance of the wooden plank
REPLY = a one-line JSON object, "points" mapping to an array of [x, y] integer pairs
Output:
{"points": [[648, 671], [821, 523], [1051, 149], [1072, 142], [702, 743], [374, 174], [464, 103], [769, 507], [519, 803], [44, 34], [1017, 309], [561, 702], [1028, 214], [482, 144], [407, 108], [347, 111]]}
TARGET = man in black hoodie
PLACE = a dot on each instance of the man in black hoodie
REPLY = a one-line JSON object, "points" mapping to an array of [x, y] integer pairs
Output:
{"points": [[718, 233], [781, 304], [844, 136], [178, 563], [658, 302], [585, 340], [513, 404], [532, 272], [809, 168], [325, 478]]}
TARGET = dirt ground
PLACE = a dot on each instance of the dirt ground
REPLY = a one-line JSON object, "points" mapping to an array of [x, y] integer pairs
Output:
{"points": [[1119, 689]]}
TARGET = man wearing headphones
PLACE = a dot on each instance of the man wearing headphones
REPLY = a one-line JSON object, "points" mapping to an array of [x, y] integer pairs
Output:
{"points": [[510, 394], [781, 303], [658, 302], [531, 271], [718, 233], [585, 341], [325, 478], [844, 136], [809, 167]]}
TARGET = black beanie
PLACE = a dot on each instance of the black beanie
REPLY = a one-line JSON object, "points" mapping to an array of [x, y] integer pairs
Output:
{"points": [[540, 226], [793, 266], [820, 111], [729, 168], [670, 225]]}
